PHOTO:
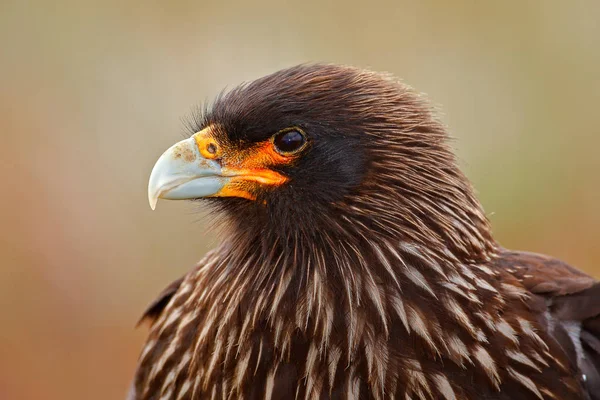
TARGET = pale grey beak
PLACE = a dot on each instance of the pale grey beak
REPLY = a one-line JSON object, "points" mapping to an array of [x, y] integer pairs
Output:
{"points": [[183, 173]]}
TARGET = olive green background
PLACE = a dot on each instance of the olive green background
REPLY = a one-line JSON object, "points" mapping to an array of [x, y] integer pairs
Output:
{"points": [[91, 93]]}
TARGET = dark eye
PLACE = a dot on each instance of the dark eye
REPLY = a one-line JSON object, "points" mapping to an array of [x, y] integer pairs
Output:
{"points": [[289, 141]]}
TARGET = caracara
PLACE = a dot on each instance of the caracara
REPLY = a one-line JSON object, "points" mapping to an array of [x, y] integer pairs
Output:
{"points": [[355, 263]]}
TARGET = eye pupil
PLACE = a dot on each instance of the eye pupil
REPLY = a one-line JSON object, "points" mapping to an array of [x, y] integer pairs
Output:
{"points": [[289, 141], [211, 148]]}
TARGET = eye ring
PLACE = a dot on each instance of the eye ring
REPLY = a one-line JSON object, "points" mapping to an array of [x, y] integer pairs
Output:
{"points": [[289, 141]]}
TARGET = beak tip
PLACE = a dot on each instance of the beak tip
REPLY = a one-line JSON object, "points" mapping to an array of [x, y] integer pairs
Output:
{"points": [[152, 200]]}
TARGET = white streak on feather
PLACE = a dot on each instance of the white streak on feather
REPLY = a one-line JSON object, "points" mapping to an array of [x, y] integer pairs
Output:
{"points": [[419, 326], [398, 306], [460, 315], [149, 346], [525, 381], [429, 261], [352, 385], [184, 389], [214, 360], [528, 329], [386, 265], [486, 270], [453, 287], [258, 358], [488, 364], [417, 277], [483, 284], [487, 320], [514, 291], [168, 395], [481, 337], [270, 384], [413, 274], [538, 358], [173, 316], [444, 387], [373, 291], [282, 287], [159, 364], [377, 358], [467, 272], [522, 358], [334, 356], [458, 349], [416, 378], [168, 380], [508, 331], [241, 368], [460, 281]]}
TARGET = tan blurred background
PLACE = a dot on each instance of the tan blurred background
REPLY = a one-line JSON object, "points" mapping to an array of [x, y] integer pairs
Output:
{"points": [[92, 93]]}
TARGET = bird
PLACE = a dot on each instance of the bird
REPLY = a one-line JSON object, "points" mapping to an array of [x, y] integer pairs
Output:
{"points": [[355, 261]]}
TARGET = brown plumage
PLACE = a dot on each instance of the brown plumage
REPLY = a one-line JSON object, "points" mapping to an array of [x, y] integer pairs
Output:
{"points": [[360, 265]]}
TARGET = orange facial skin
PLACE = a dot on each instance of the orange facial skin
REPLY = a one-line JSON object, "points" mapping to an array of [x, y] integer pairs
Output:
{"points": [[245, 169]]}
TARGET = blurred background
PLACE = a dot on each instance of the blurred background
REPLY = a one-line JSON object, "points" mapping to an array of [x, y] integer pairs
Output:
{"points": [[91, 93]]}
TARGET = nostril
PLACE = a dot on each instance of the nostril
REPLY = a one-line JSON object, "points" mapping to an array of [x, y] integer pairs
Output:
{"points": [[211, 148]]}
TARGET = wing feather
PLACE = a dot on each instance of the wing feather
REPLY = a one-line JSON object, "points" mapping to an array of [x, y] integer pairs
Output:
{"points": [[570, 306]]}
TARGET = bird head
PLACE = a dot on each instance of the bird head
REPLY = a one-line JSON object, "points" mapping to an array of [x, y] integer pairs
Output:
{"points": [[322, 147]]}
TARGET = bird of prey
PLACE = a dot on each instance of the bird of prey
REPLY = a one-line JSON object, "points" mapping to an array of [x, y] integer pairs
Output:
{"points": [[355, 262]]}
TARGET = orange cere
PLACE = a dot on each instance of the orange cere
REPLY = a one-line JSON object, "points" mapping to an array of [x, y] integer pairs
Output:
{"points": [[250, 167], [254, 165]]}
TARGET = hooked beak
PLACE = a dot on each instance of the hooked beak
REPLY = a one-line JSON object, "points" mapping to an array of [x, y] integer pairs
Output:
{"points": [[183, 173]]}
